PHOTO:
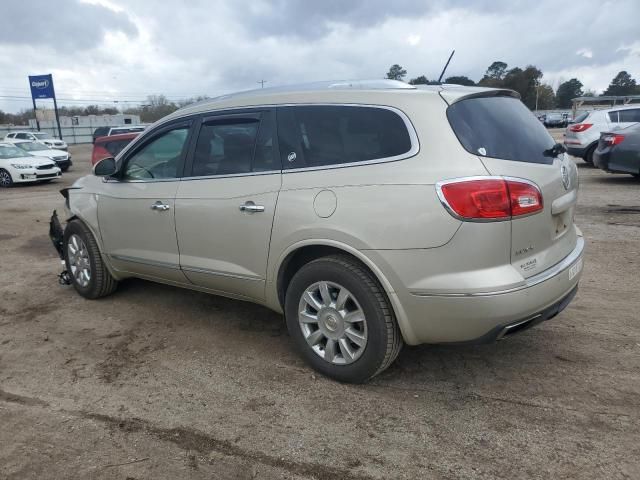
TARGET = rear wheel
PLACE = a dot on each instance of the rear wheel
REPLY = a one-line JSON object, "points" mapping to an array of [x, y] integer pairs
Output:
{"points": [[89, 275], [341, 320], [5, 178], [588, 157]]}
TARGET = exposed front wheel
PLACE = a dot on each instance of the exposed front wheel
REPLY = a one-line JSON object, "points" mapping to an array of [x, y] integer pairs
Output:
{"points": [[89, 276], [5, 178], [340, 319]]}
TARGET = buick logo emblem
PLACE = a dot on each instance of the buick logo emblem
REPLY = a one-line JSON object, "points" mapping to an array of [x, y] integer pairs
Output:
{"points": [[566, 178]]}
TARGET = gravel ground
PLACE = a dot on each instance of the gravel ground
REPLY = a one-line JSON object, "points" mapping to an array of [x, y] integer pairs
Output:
{"points": [[160, 383]]}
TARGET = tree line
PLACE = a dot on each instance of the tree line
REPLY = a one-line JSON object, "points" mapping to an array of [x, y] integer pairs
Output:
{"points": [[527, 82], [154, 108]]}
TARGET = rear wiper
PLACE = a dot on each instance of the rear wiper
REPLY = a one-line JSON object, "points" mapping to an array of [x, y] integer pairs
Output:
{"points": [[554, 151]]}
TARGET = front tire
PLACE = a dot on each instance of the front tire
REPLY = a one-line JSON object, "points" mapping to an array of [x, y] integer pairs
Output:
{"points": [[5, 178], [88, 273], [340, 319]]}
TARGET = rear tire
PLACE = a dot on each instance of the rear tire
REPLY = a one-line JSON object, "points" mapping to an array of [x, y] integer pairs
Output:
{"points": [[588, 157], [5, 178], [354, 335], [88, 273]]}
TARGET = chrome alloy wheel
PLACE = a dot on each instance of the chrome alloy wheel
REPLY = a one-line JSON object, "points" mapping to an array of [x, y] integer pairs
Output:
{"points": [[5, 178], [332, 322], [79, 260]]}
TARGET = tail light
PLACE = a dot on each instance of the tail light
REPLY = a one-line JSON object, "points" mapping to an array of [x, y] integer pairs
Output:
{"points": [[613, 139], [489, 198], [580, 127]]}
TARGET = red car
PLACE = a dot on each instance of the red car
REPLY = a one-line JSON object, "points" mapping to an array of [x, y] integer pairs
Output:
{"points": [[110, 146]]}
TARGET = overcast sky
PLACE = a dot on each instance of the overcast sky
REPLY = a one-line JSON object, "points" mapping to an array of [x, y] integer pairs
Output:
{"points": [[101, 50]]}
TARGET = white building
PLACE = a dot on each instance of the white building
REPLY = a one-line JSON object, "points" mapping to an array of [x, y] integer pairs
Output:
{"points": [[48, 120]]}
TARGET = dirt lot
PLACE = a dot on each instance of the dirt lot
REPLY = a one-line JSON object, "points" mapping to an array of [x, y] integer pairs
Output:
{"points": [[160, 383]]}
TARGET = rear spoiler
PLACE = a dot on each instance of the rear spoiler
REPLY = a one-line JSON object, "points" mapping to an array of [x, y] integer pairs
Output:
{"points": [[451, 96]]}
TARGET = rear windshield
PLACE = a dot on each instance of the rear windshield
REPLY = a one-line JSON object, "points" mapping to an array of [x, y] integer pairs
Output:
{"points": [[582, 117], [500, 127]]}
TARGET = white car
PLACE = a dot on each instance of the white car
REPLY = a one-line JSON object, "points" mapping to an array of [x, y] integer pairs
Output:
{"points": [[42, 137], [62, 158], [581, 137], [18, 166]]}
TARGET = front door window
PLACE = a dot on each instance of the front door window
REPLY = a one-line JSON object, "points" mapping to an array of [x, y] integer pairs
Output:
{"points": [[159, 158]]}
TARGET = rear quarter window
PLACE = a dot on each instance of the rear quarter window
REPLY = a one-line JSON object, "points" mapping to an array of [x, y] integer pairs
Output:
{"points": [[325, 135], [500, 127]]}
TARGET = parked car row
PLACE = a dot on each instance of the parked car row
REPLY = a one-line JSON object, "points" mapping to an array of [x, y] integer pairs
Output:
{"points": [[42, 137], [554, 120], [60, 157], [603, 131], [20, 166]]}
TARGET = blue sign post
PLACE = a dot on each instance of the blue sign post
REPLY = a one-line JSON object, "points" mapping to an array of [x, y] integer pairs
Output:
{"points": [[42, 87]]}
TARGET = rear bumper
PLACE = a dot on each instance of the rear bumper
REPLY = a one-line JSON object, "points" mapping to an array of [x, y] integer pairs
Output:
{"points": [[610, 162], [601, 159], [490, 314], [576, 151]]}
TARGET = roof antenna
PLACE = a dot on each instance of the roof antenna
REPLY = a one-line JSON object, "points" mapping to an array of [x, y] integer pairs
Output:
{"points": [[445, 66]]}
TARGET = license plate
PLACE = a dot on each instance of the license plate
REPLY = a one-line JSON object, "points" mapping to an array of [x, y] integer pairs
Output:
{"points": [[575, 270]]}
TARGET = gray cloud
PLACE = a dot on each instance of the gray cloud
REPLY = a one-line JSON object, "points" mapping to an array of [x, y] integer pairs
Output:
{"points": [[60, 24], [314, 19], [219, 46]]}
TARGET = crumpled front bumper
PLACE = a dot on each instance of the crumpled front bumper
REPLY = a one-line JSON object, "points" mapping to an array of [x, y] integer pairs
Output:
{"points": [[56, 234]]}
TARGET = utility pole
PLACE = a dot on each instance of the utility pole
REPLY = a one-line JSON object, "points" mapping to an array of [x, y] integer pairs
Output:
{"points": [[261, 82]]}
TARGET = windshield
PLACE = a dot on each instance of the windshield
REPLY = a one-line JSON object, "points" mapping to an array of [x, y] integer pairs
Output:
{"points": [[7, 152], [500, 127], [43, 136], [31, 146]]}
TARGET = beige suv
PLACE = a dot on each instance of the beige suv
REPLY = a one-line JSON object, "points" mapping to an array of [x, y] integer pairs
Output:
{"points": [[371, 214]]}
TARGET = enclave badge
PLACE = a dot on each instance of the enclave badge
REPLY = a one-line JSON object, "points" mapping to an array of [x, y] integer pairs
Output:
{"points": [[566, 178]]}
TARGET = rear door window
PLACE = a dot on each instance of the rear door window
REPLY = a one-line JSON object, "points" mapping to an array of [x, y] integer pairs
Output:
{"points": [[613, 117], [235, 144], [500, 127], [323, 135]]}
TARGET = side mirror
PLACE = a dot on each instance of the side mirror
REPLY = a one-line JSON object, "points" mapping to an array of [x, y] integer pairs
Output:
{"points": [[105, 167]]}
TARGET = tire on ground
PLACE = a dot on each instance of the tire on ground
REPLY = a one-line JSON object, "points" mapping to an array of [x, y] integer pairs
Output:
{"points": [[588, 157], [101, 282], [6, 175], [384, 340]]}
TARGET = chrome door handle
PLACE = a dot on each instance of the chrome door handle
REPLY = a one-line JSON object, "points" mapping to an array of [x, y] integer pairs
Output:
{"points": [[163, 207], [251, 207]]}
